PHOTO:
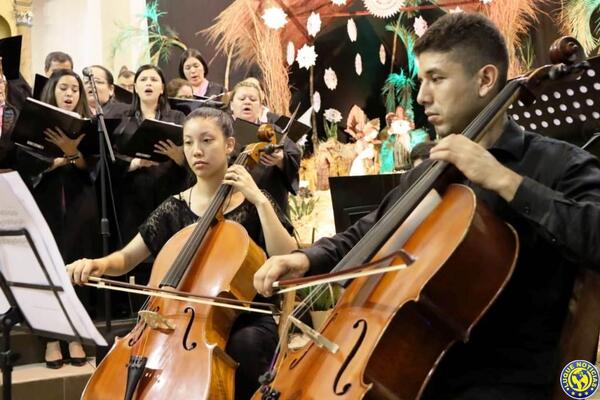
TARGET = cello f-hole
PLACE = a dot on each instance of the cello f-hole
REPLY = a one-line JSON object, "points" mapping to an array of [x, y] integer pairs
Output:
{"points": [[193, 345], [360, 324]]}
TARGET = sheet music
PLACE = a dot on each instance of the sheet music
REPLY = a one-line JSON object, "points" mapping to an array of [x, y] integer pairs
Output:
{"points": [[18, 263]]}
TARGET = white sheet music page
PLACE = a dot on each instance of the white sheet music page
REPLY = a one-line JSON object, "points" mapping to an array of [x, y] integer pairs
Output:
{"points": [[18, 263]]}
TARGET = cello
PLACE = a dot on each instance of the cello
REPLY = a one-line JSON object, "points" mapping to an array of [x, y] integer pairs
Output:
{"points": [[388, 333], [177, 348]]}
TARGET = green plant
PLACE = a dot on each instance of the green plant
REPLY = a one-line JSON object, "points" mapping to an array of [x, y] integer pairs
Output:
{"points": [[330, 128], [301, 206]]}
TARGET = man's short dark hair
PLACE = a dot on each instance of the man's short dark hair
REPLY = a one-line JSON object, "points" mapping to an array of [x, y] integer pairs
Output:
{"points": [[57, 56], [473, 39]]}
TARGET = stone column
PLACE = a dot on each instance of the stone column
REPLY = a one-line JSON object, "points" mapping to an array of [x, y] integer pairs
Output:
{"points": [[24, 19]]}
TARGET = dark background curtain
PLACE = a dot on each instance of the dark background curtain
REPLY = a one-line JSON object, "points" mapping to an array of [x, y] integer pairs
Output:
{"points": [[335, 51]]}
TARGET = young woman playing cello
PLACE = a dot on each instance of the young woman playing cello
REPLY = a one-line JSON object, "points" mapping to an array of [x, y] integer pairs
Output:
{"points": [[208, 141]]}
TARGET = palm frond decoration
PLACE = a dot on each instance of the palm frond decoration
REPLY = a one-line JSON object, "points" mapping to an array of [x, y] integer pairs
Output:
{"points": [[408, 40], [527, 54], [398, 89], [159, 44], [240, 33], [513, 18], [575, 20]]}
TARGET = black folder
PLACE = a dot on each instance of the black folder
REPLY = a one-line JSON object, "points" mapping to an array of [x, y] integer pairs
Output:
{"points": [[123, 95], [186, 106], [10, 51], [37, 116], [296, 130], [38, 86], [141, 143]]}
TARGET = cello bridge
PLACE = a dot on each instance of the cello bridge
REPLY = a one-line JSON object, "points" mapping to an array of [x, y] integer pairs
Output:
{"points": [[155, 321]]}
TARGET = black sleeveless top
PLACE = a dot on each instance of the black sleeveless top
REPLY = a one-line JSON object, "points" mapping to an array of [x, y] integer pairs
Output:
{"points": [[175, 214]]}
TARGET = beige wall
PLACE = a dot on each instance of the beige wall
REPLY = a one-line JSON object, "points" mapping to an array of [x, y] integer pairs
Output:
{"points": [[85, 29]]}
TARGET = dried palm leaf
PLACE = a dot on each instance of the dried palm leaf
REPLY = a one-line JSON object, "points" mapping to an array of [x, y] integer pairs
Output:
{"points": [[575, 20]]}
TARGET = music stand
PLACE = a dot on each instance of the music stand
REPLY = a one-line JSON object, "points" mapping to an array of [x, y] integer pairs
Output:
{"points": [[348, 207], [33, 277], [569, 111]]}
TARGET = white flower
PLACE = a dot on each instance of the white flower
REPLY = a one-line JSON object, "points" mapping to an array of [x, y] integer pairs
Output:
{"points": [[382, 54], [316, 101], [313, 24], [330, 79], [275, 18], [351, 26], [358, 64], [291, 53], [420, 26], [339, 2], [456, 10], [384, 8], [306, 57], [333, 115]]}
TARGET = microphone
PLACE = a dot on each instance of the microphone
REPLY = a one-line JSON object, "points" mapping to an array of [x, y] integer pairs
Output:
{"points": [[87, 71]]}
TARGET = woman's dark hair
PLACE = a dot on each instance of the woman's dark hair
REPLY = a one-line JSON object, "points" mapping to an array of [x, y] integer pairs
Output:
{"points": [[163, 105], [193, 53], [223, 119], [48, 94], [174, 85], [109, 76]]}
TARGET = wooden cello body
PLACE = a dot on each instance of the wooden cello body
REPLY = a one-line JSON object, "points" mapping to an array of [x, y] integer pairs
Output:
{"points": [[188, 361], [381, 321]]}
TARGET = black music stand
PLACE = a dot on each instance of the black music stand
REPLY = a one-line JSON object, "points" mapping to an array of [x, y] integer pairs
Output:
{"points": [[21, 312], [353, 197], [569, 111]]}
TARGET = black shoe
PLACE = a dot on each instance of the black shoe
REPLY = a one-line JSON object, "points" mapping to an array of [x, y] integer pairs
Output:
{"points": [[56, 364], [78, 361]]}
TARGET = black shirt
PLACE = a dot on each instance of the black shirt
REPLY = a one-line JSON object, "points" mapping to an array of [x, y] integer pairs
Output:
{"points": [[139, 192], [556, 212], [174, 214]]}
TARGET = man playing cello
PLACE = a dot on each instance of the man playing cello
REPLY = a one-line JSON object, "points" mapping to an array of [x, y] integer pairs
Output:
{"points": [[548, 190]]}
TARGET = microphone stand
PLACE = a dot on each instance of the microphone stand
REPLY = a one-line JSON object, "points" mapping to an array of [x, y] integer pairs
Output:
{"points": [[105, 144]]}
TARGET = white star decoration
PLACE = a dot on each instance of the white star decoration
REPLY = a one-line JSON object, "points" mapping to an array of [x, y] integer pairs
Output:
{"points": [[316, 101], [420, 26], [382, 54], [291, 53], [313, 24], [351, 26], [275, 18], [330, 79], [306, 57], [358, 64]]}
